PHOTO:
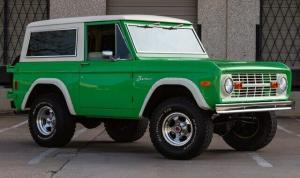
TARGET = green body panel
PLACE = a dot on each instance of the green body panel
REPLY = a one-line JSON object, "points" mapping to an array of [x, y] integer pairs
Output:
{"points": [[27, 72], [106, 85], [194, 70], [117, 89]]}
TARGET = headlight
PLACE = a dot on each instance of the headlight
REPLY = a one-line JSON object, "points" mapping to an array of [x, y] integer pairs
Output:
{"points": [[228, 85], [282, 84]]}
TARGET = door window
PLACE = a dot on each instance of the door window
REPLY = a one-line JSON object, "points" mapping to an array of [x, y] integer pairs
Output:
{"points": [[106, 42]]}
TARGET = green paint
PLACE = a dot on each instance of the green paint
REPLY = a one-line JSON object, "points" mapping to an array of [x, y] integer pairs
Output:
{"points": [[113, 89]]}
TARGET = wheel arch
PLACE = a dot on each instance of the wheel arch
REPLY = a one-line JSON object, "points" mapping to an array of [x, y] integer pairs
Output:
{"points": [[183, 83], [53, 82]]}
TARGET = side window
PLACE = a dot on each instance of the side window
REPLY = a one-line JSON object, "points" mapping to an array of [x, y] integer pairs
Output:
{"points": [[122, 51], [106, 42], [52, 43]]}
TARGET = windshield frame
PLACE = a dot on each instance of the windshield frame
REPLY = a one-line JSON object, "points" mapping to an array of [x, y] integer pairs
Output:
{"points": [[167, 54]]}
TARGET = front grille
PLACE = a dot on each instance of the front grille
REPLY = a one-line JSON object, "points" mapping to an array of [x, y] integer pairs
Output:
{"points": [[254, 85]]}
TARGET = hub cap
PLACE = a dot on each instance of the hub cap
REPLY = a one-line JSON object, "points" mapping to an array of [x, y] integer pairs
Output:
{"points": [[177, 129], [46, 120]]}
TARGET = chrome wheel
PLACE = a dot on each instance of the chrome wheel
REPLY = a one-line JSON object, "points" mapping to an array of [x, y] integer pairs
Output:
{"points": [[46, 121], [177, 129]]}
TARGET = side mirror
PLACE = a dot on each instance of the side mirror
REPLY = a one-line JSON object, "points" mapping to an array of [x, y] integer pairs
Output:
{"points": [[107, 54]]}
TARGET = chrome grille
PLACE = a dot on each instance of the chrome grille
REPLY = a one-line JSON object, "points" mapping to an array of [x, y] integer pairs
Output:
{"points": [[254, 85]]}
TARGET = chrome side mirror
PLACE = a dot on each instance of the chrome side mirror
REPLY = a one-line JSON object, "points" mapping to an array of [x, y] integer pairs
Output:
{"points": [[107, 54]]}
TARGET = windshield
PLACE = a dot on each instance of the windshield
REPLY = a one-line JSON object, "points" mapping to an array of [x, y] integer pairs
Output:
{"points": [[165, 40]]}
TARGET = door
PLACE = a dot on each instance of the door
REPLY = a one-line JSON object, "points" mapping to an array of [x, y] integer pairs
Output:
{"points": [[106, 74]]}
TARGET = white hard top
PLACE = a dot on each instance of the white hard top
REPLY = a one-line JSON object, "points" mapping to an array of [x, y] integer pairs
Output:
{"points": [[107, 18]]}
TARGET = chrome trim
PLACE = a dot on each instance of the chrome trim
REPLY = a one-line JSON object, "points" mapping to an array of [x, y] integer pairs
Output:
{"points": [[177, 129], [254, 107], [255, 85]]}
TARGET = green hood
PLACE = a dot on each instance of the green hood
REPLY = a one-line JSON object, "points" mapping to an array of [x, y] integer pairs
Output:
{"points": [[210, 65], [229, 65]]}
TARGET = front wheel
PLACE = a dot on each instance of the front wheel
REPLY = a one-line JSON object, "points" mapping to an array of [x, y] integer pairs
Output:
{"points": [[252, 132], [179, 129]]}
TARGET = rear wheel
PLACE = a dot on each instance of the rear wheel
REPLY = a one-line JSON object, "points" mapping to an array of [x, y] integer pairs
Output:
{"points": [[252, 132], [179, 129], [50, 123], [126, 130]]}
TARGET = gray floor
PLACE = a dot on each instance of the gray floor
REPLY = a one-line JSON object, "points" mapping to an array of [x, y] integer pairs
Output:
{"points": [[93, 154]]}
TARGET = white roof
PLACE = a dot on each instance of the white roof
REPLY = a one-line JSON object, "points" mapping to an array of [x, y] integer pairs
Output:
{"points": [[107, 18]]}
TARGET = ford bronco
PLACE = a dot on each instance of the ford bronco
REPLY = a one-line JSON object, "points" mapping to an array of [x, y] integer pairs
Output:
{"points": [[131, 70]]}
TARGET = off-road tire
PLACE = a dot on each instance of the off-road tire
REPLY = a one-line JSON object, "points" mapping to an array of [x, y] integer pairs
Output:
{"points": [[266, 130], [201, 124], [89, 123], [65, 124], [126, 130]]}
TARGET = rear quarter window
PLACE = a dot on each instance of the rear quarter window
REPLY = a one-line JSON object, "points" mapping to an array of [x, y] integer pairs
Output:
{"points": [[52, 43]]}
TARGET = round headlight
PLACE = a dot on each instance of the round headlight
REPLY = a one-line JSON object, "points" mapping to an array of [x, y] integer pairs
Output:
{"points": [[282, 84], [228, 85]]}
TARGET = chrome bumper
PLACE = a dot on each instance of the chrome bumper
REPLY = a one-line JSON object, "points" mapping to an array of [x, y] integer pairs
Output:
{"points": [[254, 107]]}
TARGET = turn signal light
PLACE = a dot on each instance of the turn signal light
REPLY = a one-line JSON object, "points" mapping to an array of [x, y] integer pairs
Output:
{"points": [[238, 85], [274, 84], [205, 83]]}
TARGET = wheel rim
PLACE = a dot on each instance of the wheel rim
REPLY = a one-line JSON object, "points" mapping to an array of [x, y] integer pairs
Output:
{"points": [[177, 129], [46, 120]]}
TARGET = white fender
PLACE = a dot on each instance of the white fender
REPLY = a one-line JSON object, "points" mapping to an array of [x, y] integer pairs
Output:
{"points": [[58, 83], [177, 81]]}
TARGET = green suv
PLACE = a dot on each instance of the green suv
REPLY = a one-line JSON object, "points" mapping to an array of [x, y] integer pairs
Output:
{"points": [[131, 71]]}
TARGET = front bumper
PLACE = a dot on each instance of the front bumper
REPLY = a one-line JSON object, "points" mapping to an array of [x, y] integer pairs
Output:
{"points": [[254, 107]]}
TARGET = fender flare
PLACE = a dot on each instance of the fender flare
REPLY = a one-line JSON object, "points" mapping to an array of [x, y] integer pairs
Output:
{"points": [[177, 81], [53, 81]]}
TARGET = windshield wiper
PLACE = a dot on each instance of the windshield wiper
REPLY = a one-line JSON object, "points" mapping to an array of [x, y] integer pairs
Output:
{"points": [[174, 27], [157, 24]]}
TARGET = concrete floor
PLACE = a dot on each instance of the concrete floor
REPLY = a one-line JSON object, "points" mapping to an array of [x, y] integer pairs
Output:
{"points": [[93, 154]]}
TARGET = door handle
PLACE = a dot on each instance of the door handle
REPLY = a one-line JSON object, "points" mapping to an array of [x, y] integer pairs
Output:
{"points": [[85, 64]]}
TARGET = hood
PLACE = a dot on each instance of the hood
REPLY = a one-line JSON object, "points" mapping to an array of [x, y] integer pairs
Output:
{"points": [[230, 65], [208, 65]]}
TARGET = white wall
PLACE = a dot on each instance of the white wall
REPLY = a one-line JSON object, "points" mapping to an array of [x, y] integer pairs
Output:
{"points": [[229, 27], [72, 8]]}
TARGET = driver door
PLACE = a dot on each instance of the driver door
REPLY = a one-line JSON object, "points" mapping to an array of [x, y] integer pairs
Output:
{"points": [[106, 74]]}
